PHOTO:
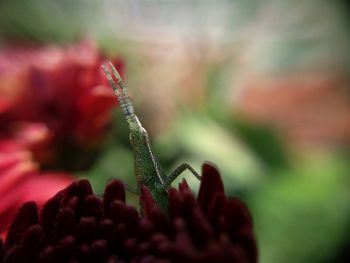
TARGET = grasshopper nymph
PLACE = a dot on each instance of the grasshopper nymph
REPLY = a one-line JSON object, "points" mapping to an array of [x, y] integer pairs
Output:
{"points": [[148, 171]]}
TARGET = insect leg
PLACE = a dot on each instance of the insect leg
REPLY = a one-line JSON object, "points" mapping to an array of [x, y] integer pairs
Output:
{"points": [[133, 190], [178, 171]]}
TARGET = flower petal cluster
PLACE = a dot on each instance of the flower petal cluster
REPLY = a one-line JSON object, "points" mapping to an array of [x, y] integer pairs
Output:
{"points": [[78, 226]]}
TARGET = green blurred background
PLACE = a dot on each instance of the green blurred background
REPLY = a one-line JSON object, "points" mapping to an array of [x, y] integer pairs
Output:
{"points": [[260, 88]]}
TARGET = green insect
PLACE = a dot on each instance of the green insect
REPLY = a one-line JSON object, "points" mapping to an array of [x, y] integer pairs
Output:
{"points": [[147, 168]]}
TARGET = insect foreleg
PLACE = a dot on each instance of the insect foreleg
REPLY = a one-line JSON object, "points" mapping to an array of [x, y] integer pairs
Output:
{"points": [[178, 171]]}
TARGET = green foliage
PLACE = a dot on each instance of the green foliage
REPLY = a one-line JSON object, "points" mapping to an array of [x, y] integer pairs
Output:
{"points": [[40, 20], [263, 141], [302, 215], [197, 138]]}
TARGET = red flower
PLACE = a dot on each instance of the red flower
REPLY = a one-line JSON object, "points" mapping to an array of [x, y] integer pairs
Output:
{"points": [[62, 90], [20, 181], [52, 105], [78, 226]]}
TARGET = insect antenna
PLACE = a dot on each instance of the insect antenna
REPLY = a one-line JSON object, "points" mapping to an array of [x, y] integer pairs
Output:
{"points": [[123, 98], [123, 87]]}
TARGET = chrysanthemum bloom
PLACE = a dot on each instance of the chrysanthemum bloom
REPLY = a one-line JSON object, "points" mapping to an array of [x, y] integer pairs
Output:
{"points": [[78, 226]]}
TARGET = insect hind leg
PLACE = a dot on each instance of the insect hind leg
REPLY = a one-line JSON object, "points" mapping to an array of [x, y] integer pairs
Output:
{"points": [[130, 189], [178, 171]]}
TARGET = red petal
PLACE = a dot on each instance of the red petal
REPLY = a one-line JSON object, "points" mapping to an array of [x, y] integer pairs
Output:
{"points": [[26, 217], [38, 188], [211, 184], [147, 201], [42, 187], [94, 108], [113, 191], [183, 186]]}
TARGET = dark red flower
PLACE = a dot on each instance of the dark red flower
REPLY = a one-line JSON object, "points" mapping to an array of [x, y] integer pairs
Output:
{"points": [[78, 226]]}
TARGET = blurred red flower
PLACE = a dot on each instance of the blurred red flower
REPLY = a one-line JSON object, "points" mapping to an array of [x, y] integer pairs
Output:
{"points": [[54, 108], [20, 181], [52, 97]]}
